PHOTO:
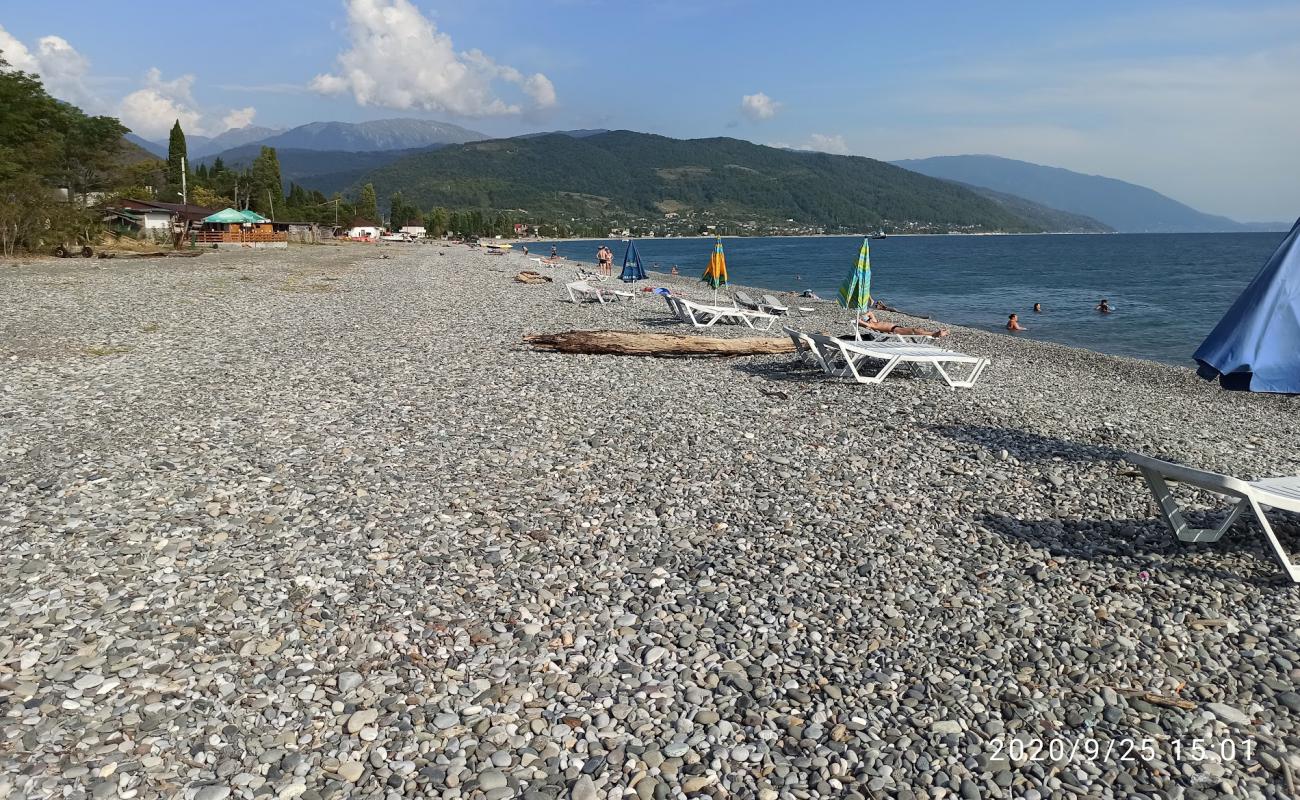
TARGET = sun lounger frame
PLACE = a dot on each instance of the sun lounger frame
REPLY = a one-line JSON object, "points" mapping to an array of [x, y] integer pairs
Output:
{"points": [[1252, 496], [937, 361]]}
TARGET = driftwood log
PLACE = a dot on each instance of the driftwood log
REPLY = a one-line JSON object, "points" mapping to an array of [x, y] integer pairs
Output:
{"points": [[661, 345], [529, 276]]}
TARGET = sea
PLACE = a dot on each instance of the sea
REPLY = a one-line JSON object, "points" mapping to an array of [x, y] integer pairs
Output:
{"points": [[1167, 291]]}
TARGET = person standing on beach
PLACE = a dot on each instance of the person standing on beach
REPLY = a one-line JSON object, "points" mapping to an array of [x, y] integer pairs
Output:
{"points": [[553, 252], [1013, 323]]}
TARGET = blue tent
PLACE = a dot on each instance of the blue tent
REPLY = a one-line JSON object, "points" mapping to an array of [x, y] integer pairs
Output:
{"points": [[1256, 346], [632, 269]]}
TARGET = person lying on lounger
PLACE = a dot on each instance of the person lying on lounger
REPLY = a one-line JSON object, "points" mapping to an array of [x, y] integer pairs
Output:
{"points": [[871, 323]]}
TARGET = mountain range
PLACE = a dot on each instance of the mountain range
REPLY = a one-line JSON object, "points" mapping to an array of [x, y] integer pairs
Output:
{"points": [[336, 156], [1123, 206], [350, 137], [630, 176]]}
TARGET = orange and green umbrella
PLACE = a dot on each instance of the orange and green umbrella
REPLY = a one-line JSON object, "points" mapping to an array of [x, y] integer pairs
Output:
{"points": [[715, 274]]}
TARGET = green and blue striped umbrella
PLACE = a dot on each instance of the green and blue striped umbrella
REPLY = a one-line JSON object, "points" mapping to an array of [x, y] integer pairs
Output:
{"points": [[855, 292]]}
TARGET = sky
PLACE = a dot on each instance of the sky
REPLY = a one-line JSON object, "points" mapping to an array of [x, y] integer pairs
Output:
{"points": [[1198, 101]]}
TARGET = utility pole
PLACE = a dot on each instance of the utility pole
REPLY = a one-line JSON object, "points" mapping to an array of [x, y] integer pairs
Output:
{"points": [[183, 187]]}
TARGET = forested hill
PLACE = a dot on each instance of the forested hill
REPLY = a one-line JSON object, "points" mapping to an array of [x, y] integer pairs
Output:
{"points": [[630, 176]]}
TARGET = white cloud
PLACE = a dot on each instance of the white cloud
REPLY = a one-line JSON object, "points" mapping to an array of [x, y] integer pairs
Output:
{"points": [[152, 111], [62, 69], [16, 53], [823, 143], [239, 118], [819, 142], [759, 107], [399, 59]]}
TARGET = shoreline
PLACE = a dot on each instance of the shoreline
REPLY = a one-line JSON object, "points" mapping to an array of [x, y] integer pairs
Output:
{"points": [[695, 286]]}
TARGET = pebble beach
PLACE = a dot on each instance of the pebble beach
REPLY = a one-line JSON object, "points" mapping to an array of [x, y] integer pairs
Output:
{"points": [[316, 523]]}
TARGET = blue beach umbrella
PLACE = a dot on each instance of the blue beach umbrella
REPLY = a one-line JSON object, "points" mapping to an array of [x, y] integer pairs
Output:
{"points": [[1256, 346], [855, 292], [633, 271]]}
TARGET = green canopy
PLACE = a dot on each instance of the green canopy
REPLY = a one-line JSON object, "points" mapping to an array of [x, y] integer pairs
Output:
{"points": [[229, 216]]}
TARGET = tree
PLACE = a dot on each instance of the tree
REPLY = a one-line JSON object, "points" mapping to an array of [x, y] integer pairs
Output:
{"points": [[88, 153], [208, 198], [46, 145], [177, 164], [435, 224], [368, 205], [265, 188]]}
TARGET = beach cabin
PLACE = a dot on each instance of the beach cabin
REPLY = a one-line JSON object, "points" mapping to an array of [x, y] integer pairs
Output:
{"points": [[231, 228], [413, 231], [145, 219], [364, 233]]}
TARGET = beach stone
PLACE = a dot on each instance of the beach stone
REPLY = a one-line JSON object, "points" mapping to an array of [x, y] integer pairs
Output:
{"points": [[583, 789], [347, 681], [1229, 714], [360, 719]]}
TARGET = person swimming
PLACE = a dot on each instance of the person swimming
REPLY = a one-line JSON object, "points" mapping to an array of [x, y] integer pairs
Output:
{"points": [[1038, 308], [1103, 307], [1013, 323]]}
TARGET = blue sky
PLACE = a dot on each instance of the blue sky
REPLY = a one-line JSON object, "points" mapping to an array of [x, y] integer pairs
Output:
{"points": [[1198, 101]]}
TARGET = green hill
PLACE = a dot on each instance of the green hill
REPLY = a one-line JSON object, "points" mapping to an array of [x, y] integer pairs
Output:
{"points": [[629, 177]]}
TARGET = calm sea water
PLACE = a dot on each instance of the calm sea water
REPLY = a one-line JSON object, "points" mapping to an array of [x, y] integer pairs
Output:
{"points": [[1167, 290]]}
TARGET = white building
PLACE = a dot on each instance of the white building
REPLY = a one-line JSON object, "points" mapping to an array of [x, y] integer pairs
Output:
{"points": [[363, 232], [414, 231]]}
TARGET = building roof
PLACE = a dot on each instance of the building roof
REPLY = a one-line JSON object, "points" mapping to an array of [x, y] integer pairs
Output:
{"points": [[186, 211]]}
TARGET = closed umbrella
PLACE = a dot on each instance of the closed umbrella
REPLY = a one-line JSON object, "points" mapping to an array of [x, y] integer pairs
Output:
{"points": [[715, 274], [1256, 346], [633, 270], [855, 292]]}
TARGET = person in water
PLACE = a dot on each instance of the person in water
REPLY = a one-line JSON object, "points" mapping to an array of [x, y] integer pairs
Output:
{"points": [[1038, 308], [1013, 323], [674, 270], [1103, 307], [872, 324]]}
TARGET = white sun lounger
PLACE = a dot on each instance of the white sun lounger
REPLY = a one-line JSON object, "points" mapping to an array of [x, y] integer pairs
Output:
{"points": [[706, 316], [805, 349], [1253, 496], [895, 354], [773, 306], [581, 291]]}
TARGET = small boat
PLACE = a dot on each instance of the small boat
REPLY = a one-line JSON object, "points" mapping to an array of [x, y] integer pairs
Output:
{"points": [[499, 246], [879, 235]]}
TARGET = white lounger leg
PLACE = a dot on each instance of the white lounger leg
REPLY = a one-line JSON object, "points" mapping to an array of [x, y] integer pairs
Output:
{"points": [[1173, 514], [1292, 570], [966, 383]]}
